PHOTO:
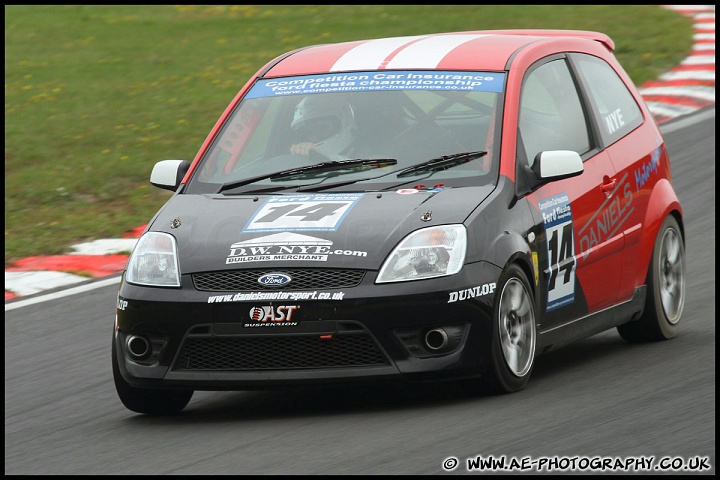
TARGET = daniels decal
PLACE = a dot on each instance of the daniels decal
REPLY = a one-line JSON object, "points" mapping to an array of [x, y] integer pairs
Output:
{"points": [[270, 316], [286, 246]]}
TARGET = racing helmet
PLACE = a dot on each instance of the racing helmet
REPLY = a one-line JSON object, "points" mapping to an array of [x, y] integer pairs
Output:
{"points": [[327, 120]]}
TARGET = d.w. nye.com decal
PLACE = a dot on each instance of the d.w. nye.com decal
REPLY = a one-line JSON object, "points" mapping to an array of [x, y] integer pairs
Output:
{"points": [[286, 246]]}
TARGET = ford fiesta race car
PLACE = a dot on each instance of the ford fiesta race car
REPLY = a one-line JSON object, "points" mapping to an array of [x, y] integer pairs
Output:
{"points": [[445, 206]]}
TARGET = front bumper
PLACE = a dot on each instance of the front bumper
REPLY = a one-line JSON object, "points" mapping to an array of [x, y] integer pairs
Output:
{"points": [[423, 330]]}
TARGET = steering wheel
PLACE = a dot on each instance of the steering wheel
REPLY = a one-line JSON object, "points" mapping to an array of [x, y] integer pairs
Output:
{"points": [[317, 157]]}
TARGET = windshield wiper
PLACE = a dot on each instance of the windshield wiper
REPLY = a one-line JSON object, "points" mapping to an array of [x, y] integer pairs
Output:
{"points": [[435, 164], [441, 163], [317, 168]]}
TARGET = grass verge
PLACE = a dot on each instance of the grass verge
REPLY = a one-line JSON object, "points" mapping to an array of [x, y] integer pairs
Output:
{"points": [[95, 95]]}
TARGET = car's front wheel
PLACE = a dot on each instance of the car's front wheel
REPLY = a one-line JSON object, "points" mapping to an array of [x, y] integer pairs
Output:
{"points": [[660, 319], [148, 401], [514, 336]]}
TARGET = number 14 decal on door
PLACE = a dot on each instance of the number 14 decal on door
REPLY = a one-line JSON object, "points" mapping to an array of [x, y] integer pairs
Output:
{"points": [[557, 216]]}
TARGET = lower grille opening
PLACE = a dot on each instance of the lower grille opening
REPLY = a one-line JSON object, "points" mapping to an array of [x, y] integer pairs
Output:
{"points": [[278, 352]]}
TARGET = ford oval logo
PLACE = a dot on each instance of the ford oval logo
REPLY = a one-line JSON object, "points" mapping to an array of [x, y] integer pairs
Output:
{"points": [[273, 279]]}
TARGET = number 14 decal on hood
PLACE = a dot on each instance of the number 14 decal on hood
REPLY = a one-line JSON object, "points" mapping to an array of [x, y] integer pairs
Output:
{"points": [[294, 213], [557, 217]]}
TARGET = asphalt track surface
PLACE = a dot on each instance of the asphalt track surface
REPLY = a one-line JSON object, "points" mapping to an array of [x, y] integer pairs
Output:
{"points": [[686, 88], [600, 400]]}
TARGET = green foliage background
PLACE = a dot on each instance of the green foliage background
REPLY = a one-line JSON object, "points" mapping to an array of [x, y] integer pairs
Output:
{"points": [[95, 95]]}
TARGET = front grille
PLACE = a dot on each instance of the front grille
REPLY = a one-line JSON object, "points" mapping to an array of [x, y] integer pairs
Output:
{"points": [[302, 278], [279, 352]]}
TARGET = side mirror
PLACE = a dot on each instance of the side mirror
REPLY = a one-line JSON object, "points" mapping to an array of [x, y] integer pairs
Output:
{"points": [[556, 165], [167, 174]]}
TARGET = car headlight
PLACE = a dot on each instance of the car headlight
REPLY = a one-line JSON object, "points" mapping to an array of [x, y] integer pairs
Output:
{"points": [[154, 261], [427, 253]]}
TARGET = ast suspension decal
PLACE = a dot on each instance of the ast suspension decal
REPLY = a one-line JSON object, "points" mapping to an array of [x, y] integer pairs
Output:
{"points": [[270, 316]]}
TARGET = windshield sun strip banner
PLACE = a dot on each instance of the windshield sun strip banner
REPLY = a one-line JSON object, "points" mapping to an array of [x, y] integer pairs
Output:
{"points": [[379, 81]]}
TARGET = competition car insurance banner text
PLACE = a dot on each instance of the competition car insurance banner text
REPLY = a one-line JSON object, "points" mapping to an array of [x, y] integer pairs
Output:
{"points": [[379, 80]]}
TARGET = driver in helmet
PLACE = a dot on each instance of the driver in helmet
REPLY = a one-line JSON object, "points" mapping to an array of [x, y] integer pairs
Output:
{"points": [[326, 122]]}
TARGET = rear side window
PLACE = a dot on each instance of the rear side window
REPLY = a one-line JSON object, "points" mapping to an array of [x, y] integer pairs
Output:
{"points": [[551, 113], [618, 113]]}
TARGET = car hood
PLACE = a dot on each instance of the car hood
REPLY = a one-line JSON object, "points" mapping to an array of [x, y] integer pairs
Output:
{"points": [[351, 230]]}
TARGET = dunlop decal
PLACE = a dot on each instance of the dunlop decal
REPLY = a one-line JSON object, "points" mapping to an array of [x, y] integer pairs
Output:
{"points": [[473, 292]]}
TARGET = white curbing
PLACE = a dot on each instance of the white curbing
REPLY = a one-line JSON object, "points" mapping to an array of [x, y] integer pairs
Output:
{"points": [[105, 247], [29, 283]]}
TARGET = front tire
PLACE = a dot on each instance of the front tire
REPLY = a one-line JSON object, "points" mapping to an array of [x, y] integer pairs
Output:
{"points": [[148, 401], [660, 319], [514, 336]]}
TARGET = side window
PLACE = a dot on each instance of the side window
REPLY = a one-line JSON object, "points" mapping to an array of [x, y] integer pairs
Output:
{"points": [[551, 114], [613, 103]]}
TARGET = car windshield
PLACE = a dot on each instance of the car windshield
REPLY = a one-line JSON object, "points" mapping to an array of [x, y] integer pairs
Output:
{"points": [[407, 117]]}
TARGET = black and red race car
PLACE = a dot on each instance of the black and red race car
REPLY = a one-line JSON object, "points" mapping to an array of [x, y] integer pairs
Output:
{"points": [[436, 207]]}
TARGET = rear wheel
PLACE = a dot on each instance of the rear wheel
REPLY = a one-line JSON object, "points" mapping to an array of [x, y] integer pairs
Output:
{"points": [[514, 336], [148, 401], [660, 319]]}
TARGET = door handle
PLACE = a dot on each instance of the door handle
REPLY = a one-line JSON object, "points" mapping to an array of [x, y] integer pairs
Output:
{"points": [[608, 185]]}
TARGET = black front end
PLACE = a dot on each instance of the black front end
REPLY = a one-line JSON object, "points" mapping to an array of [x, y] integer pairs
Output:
{"points": [[224, 331]]}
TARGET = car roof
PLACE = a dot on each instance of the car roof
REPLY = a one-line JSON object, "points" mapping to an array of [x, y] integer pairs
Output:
{"points": [[438, 51]]}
